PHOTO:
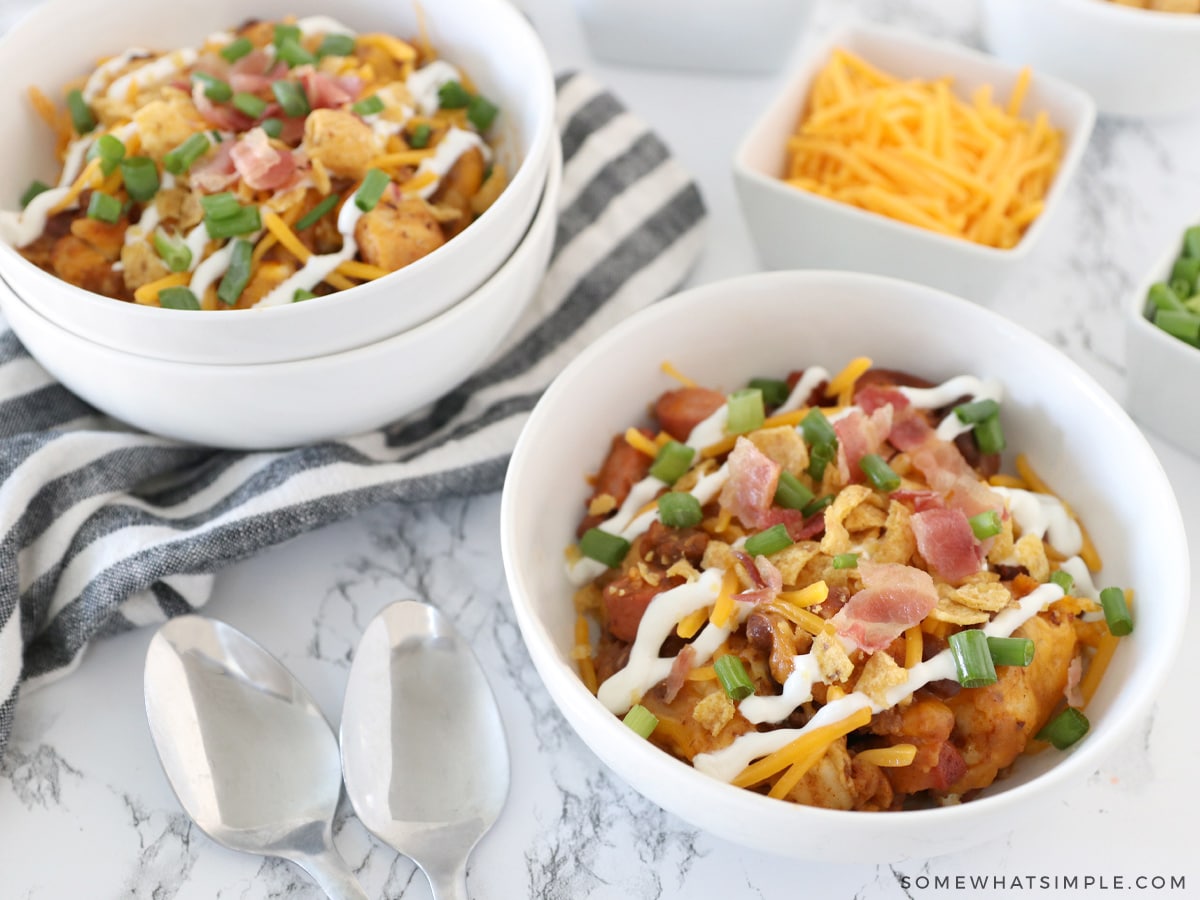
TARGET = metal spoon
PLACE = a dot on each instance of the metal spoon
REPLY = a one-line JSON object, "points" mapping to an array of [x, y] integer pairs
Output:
{"points": [[423, 748], [249, 755]]}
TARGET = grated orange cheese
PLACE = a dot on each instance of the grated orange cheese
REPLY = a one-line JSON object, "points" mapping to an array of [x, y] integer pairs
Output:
{"points": [[914, 646], [912, 150], [804, 748], [692, 622], [893, 757], [669, 369], [641, 443], [842, 384], [725, 606], [147, 294]]}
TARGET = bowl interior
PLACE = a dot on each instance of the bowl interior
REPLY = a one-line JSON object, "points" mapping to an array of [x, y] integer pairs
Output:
{"points": [[1075, 436]]}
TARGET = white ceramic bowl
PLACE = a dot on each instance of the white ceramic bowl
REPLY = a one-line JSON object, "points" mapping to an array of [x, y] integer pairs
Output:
{"points": [[1161, 369], [290, 403], [796, 229], [705, 35], [488, 38], [1134, 62], [1075, 434]]}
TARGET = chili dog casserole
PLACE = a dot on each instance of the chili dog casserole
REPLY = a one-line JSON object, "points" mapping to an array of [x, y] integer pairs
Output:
{"points": [[271, 163], [822, 588]]}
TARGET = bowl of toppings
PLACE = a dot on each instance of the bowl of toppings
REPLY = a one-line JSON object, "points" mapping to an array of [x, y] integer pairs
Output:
{"points": [[823, 579], [1162, 343], [322, 183], [899, 155], [1135, 57]]}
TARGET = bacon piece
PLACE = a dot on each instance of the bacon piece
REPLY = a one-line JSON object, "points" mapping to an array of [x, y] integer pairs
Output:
{"points": [[677, 677], [750, 490], [894, 598], [871, 397], [951, 766], [859, 435], [910, 430], [216, 174], [678, 412], [768, 580], [256, 72], [947, 543], [325, 91], [221, 115], [1074, 674], [261, 165], [947, 472], [919, 500]]}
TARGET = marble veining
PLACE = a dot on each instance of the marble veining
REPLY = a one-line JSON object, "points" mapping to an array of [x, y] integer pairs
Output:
{"points": [[85, 810]]}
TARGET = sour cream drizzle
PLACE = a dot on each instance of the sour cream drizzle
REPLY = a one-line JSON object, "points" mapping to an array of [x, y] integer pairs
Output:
{"points": [[808, 382], [23, 228], [949, 391], [1045, 516], [425, 82], [318, 268], [450, 148], [725, 764]]}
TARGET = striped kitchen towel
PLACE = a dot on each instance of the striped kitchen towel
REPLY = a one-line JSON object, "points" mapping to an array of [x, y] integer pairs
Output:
{"points": [[105, 529]]}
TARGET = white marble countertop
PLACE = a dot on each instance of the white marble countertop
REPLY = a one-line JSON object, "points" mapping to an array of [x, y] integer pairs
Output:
{"points": [[86, 812]]}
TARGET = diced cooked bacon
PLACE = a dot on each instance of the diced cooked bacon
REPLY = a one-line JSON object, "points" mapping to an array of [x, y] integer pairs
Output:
{"points": [[212, 64], [1074, 674], [951, 766], [325, 91], [910, 430], [871, 397], [859, 435], [919, 500], [894, 598], [768, 580], [798, 527], [217, 173], [221, 115], [948, 473], [256, 72], [753, 478], [947, 543], [262, 166], [684, 663]]}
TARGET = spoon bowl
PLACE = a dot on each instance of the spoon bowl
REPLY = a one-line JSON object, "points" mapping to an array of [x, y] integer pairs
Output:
{"points": [[424, 753], [248, 753]]}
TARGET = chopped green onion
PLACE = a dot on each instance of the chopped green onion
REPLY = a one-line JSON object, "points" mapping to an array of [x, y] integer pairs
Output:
{"points": [[177, 298], [452, 95], [38, 187], [678, 509], [1191, 242], [235, 50], [336, 45], [976, 412], [1187, 269], [249, 104], [81, 114], [179, 160], [672, 461], [287, 33], [419, 139], [246, 221], [732, 675], [237, 276], [292, 98], [111, 151], [846, 561], [1063, 580], [1116, 611], [220, 206], [792, 493], [1064, 729], [294, 54], [175, 253], [745, 411], [603, 546], [1182, 289], [482, 112], [215, 89], [818, 505], [774, 391], [986, 524], [1162, 297], [273, 127], [371, 190], [641, 721], [302, 295], [1010, 651], [141, 178], [772, 540], [879, 473], [819, 434], [104, 208], [989, 436], [820, 457], [972, 658], [317, 212], [1183, 325], [369, 106]]}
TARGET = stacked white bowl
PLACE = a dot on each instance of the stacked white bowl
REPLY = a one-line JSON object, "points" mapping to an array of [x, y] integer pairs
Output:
{"points": [[329, 367]]}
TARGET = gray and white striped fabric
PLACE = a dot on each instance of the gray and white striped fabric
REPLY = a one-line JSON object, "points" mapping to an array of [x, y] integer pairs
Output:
{"points": [[104, 529]]}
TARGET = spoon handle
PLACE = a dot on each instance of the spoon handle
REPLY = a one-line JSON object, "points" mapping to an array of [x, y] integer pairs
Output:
{"points": [[448, 883], [330, 871]]}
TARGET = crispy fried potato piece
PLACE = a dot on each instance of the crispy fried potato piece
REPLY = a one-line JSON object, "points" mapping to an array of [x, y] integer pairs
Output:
{"points": [[397, 233]]}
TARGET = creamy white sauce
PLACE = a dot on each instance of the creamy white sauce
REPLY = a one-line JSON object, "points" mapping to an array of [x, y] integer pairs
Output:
{"points": [[24, 227], [311, 25], [949, 391], [424, 84], [143, 228], [449, 150], [1083, 586], [153, 73], [104, 72], [710, 430], [1045, 516], [728, 762], [806, 671], [808, 382], [197, 241], [318, 268], [211, 270]]}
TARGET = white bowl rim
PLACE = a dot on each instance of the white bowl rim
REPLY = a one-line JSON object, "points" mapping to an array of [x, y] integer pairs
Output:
{"points": [[572, 693], [546, 132], [460, 311], [1132, 16], [1072, 155]]}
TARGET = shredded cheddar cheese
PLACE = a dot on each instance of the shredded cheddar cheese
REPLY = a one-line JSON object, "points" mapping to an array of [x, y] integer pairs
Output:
{"points": [[842, 384], [894, 757], [723, 609], [669, 369], [147, 294], [811, 745], [912, 150], [641, 443]]}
